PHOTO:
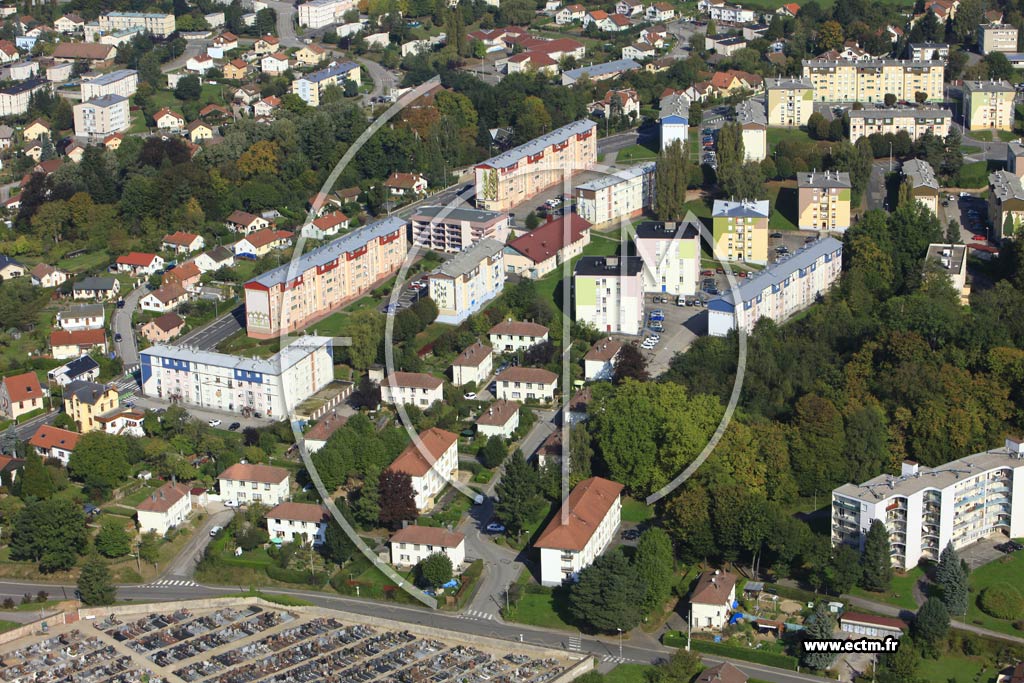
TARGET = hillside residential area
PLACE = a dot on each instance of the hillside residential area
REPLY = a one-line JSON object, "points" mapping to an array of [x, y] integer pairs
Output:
{"points": [[512, 340]]}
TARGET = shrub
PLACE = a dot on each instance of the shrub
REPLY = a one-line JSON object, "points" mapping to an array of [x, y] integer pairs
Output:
{"points": [[1002, 601], [299, 576]]}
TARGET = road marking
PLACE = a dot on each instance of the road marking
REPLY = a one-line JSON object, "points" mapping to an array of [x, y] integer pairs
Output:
{"points": [[617, 660], [476, 614], [168, 583], [574, 642]]}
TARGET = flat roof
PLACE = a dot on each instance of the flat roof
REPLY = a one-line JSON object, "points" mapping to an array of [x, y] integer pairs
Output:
{"points": [[112, 77], [777, 272], [539, 144], [988, 86], [788, 84], [751, 111], [275, 365], [455, 214], [467, 260], [824, 179], [620, 266], [949, 257], [602, 69], [619, 176], [24, 86], [329, 72], [887, 485], [660, 230], [875, 63]]}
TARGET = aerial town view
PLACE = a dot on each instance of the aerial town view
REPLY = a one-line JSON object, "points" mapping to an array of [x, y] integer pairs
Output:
{"points": [[521, 341]]}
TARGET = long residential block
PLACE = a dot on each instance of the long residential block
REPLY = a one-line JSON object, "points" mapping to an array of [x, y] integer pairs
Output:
{"points": [[780, 290], [623, 194], [926, 508], [160, 25], [916, 122], [515, 176], [291, 296], [266, 387], [310, 87], [871, 80]]}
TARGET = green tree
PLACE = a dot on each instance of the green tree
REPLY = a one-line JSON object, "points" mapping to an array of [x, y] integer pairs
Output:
{"points": [[655, 567], [36, 482], [672, 177], [605, 595], [367, 506], [830, 36], [50, 532], [951, 578], [434, 571], [113, 541], [630, 364], [819, 626], [680, 667], [149, 548], [95, 584], [737, 178], [532, 119], [366, 330], [965, 23], [519, 499], [397, 499], [900, 666], [100, 461], [875, 559], [494, 451], [337, 546], [930, 626], [188, 88]]}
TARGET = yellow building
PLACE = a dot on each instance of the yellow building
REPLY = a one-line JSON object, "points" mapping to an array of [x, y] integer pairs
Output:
{"points": [[871, 80], [997, 38], [916, 122], [85, 401], [1005, 205], [823, 201], [988, 104], [790, 101], [740, 230]]}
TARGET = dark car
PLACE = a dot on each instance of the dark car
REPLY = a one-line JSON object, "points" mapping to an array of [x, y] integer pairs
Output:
{"points": [[776, 235], [120, 303], [630, 534], [233, 426], [117, 337]]}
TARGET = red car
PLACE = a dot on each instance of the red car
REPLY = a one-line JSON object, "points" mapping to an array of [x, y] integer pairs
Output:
{"points": [[705, 273], [978, 238]]}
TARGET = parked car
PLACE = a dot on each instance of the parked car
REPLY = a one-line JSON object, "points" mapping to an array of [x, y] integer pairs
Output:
{"points": [[630, 534], [234, 425], [469, 396], [215, 530], [117, 337], [214, 423], [120, 303], [231, 504], [657, 327], [776, 235], [978, 238], [495, 528]]}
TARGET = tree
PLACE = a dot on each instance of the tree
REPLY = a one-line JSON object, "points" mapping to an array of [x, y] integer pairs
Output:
{"points": [[519, 499], [672, 177], [930, 626], [900, 666], [113, 541], [965, 23], [875, 560], [397, 499], [532, 119], [50, 532], [889, 99], [434, 570], [188, 88], [95, 584], [655, 567], [149, 547], [493, 452], [737, 178], [100, 461], [680, 667], [605, 596], [367, 506], [36, 482], [830, 35], [999, 67], [819, 626], [951, 578], [630, 364], [337, 546]]}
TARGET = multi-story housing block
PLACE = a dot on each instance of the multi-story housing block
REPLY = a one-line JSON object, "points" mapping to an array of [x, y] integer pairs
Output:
{"points": [[916, 122], [14, 99], [515, 176], [739, 230], [924, 186], [123, 82], [244, 483], [431, 461], [926, 508], [591, 518], [988, 104], [320, 13], [780, 290], [951, 260], [790, 101], [608, 293], [291, 296], [261, 387], [823, 201], [671, 257], [753, 130], [160, 25], [927, 51], [622, 194], [871, 80], [1005, 204], [997, 38], [101, 116], [310, 87], [463, 284], [453, 229]]}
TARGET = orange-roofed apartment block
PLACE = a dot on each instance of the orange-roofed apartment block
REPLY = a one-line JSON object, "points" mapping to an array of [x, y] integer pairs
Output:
{"points": [[516, 176], [592, 514], [247, 483], [431, 461]]}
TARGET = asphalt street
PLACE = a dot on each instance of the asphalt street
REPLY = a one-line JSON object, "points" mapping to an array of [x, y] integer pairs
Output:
{"points": [[26, 429], [184, 565], [208, 336], [127, 348]]}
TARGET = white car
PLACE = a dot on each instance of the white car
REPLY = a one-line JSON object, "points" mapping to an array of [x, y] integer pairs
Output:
{"points": [[231, 504], [214, 423], [469, 396], [215, 530]]}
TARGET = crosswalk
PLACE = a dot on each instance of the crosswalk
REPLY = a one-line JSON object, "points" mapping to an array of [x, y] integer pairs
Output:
{"points": [[574, 642], [176, 583], [476, 614], [614, 660]]}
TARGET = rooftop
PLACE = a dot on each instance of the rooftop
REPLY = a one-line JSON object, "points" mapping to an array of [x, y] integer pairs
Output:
{"points": [[95, 283], [82, 311], [84, 391], [588, 504], [987, 86], [892, 113], [660, 231], [541, 244], [920, 174], [788, 84], [263, 474], [776, 273], [419, 380], [604, 350], [620, 266], [724, 208], [473, 355], [862, 618], [112, 77], [414, 462], [468, 260], [521, 374], [750, 112], [300, 512], [428, 535], [539, 144], [605, 69], [330, 72], [1006, 186], [619, 176], [164, 498], [713, 588], [674, 104], [273, 366], [875, 63], [518, 328], [48, 436], [824, 179], [442, 214]]}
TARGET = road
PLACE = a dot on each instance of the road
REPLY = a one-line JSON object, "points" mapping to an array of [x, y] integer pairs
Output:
{"points": [[183, 566], [383, 80], [613, 143], [127, 348], [285, 23], [208, 336], [26, 429], [638, 648], [876, 185], [193, 48]]}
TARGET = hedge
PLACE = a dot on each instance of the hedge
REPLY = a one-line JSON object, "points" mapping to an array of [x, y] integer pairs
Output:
{"points": [[300, 576], [677, 639]]}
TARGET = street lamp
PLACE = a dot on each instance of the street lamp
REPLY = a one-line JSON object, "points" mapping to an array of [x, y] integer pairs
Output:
{"points": [[620, 643], [890, 157]]}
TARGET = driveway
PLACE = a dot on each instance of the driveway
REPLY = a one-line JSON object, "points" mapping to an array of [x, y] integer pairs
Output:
{"points": [[383, 80], [127, 348], [183, 566], [683, 324], [208, 336], [285, 23]]}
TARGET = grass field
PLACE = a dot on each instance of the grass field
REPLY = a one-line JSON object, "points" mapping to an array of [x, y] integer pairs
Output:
{"points": [[900, 591], [783, 199], [989, 135], [635, 153], [211, 94], [1008, 569], [776, 134], [636, 511], [952, 667], [974, 174]]}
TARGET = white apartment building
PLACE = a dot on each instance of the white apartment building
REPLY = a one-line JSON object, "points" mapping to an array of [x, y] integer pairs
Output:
{"points": [[526, 384], [244, 483], [101, 116], [160, 25], [309, 87], [453, 229], [511, 336], [997, 38], [466, 282], [123, 82], [14, 99], [671, 257], [298, 522], [594, 514], [924, 186], [411, 388], [599, 363], [780, 290], [167, 507], [711, 600], [916, 122], [261, 387], [473, 365], [431, 461], [926, 508], [413, 544], [608, 293], [622, 194], [320, 13], [674, 119], [753, 129]]}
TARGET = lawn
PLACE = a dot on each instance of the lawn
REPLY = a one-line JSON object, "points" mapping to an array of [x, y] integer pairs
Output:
{"points": [[334, 325], [900, 591], [987, 135], [636, 511], [635, 153], [543, 607], [783, 200], [1008, 569], [210, 94], [775, 135], [549, 286], [135, 498], [630, 673], [240, 344], [974, 174], [89, 261], [954, 668]]}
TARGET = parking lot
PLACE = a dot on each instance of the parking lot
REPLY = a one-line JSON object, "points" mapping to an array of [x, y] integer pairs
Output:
{"points": [[971, 212], [679, 328]]}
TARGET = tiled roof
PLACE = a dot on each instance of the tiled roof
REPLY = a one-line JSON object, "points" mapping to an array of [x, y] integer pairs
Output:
{"points": [[544, 242], [518, 328], [713, 588], [587, 504], [299, 512], [419, 380], [264, 474], [498, 413], [168, 322], [473, 355], [163, 498], [521, 374], [428, 535], [861, 618], [179, 238], [77, 337], [414, 462], [23, 387], [48, 437], [136, 258], [604, 350]]}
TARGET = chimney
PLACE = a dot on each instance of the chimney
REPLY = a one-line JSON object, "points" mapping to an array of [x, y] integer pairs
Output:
{"points": [[908, 468]]}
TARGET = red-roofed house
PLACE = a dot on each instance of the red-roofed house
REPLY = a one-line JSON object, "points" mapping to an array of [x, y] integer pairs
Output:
{"points": [[406, 184], [240, 221], [226, 41], [261, 242], [514, 335], [183, 242], [8, 52], [20, 394], [711, 600], [266, 106], [187, 275], [537, 253], [164, 328], [617, 103], [595, 17], [274, 64], [53, 442], [167, 507], [431, 460], [139, 264], [526, 384], [790, 9], [74, 343], [413, 544], [236, 69], [570, 13], [594, 514], [165, 298], [247, 483], [301, 522], [327, 225], [614, 23], [411, 388], [661, 11], [531, 61], [265, 45], [501, 418]]}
